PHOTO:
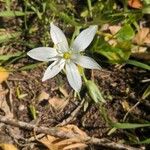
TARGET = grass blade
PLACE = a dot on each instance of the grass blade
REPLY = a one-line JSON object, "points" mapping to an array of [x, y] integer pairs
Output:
{"points": [[146, 93], [7, 36], [31, 66], [8, 56], [147, 141], [138, 64], [13, 13], [129, 125]]}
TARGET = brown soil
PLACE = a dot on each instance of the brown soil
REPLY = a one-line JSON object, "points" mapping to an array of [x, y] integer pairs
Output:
{"points": [[119, 86]]}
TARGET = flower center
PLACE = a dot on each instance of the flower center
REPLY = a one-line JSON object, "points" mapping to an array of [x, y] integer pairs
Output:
{"points": [[66, 55]]}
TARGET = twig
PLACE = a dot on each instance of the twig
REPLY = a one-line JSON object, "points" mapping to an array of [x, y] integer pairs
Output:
{"points": [[15, 137], [10, 97], [57, 132], [131, 109], [72, 115], [145, 80]]}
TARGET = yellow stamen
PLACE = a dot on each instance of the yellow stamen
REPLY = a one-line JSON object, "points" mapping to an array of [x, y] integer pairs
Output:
{"points": [[67, 55]]}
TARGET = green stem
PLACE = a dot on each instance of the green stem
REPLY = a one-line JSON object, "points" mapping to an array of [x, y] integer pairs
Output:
{"points": [[84, 77], [77, 94], [25, 17], [76, 32], [90, 7]]}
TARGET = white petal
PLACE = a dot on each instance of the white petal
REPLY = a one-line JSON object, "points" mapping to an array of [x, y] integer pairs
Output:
{"points": [[84, 39], [59, 38], [87, 62], [43, 53], [53, 69], [73, 76]]}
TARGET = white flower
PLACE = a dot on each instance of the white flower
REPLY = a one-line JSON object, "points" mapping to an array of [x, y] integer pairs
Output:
{"points": [[67, 57]]}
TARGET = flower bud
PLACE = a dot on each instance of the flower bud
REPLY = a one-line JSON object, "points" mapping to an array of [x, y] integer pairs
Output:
{"points": [[94, 92]]}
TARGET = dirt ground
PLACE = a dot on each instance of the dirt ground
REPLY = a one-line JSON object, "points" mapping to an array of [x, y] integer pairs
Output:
{"points": [[122, 88], [24, 97]]}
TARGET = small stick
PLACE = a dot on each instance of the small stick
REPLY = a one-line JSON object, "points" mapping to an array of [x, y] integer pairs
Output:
{"points": [[72, 115], [57, 132], [131, 109]]}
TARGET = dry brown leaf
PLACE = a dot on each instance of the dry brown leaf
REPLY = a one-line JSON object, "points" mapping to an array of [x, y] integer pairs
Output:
{"points": [[68, 141], [104, 27], [144, 56], [142, 37], [57, 103], [135, 4], [51, 138], [139, 49], [147, 39], [64, 92], [112, 42], [140, 52], [3, 103], [74, 130], [48, 142], [53, 143], [81, 146], [43, 95], [3, 74], [125, 105], [5, 146], [114, 29]]}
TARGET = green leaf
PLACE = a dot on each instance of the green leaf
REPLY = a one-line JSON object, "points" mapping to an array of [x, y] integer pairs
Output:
{"points": [[64, 16], [129, 125], [147, 2], [33, 111], [138, 64], [8, 36], [112, 53], [118, 54], [126, 33], [8, 56], [13, 13], [146, 93], [31, 66], [19, 94], [8, 4], [111, 131], [147, 141], [146, 10], [68, 19]]}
